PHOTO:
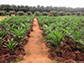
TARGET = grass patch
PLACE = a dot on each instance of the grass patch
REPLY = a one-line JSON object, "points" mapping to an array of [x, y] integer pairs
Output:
{"points": [[55, 62]]}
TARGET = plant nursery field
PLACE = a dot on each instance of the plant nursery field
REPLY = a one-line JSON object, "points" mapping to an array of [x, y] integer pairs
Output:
{"points": [[42, 39]]}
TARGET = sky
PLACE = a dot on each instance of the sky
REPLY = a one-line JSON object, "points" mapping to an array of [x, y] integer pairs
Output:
{"points": [[58, 3]]}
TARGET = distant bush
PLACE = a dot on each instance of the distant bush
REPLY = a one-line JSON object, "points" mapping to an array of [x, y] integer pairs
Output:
{"points": [[37, 13], [7, 13], [2, 12], [83, 14], [61, 13], [73, 13], [78, 13], [29, 13], [68, 13], [12, 12], [54, 13], [20, 13], [44, 13], [25, 14]]}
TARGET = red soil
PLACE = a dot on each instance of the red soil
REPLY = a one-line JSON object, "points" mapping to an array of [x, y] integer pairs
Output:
{"points": [[2, 18], [36, 50]]}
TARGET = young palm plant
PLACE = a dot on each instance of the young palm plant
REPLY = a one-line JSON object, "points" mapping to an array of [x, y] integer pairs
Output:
{"points": [[55, 38], [79, 43], [17, 34], [47, 29], [2, 33], [11, 45]]}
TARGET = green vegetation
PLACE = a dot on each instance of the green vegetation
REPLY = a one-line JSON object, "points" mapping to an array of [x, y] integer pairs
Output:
{"points": [[14, 28], [2, 32], [29, 13], [2, 13], [7, 8], [55, 62], [12, 12], [78, 13], [20, 13], [68, 13], [56, 28], [44, 13], [61, 13], [37, 13], [55, 38], [11, 45], [55, 13]]}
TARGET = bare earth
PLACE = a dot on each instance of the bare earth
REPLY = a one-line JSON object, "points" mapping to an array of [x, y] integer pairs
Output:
{"points": [[36, 50], [1, 18]]}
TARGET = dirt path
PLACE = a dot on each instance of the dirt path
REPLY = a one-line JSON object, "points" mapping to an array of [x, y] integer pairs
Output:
{"points": [[1, 18], [36, 50]]}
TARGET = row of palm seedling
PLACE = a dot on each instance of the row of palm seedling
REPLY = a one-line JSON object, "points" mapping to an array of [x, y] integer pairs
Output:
{"points": [[57, 29], [14, 28]]}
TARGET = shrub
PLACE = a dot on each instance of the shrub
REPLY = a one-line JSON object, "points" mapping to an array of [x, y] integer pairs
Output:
{"points": [[73, 13], [7, 13], [12, 12], [2, 13], [55, 13], [78, 13], [68, 13], [20, 13], [29, 13], [61, 13], [25, 14], [37, 13], [83, 14], [44, 13]]}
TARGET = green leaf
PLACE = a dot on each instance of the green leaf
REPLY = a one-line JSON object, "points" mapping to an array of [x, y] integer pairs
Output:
{"points": [[66, 31]]}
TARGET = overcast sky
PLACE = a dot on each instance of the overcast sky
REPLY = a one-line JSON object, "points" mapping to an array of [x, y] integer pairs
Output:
{"points": [[62, 3]]}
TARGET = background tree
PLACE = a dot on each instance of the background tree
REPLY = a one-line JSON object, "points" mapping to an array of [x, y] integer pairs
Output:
{"points": [[44, 13], [78, 13], [73, 13], [61, 13], [12, 12], [2, 12], [83, 14], [20, 13], [37, 13], [68, 13], [39, 8], [29, 13], [54, 13]]}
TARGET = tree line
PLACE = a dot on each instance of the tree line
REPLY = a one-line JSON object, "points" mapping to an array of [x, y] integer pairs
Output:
{"points": [[21, 10], [38, 8]]}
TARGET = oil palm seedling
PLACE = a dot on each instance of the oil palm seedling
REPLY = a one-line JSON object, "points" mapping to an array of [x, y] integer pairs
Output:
{"points": [[2, 33], [55, 38], [11, 45], [18, 34], [79, 43], [47, 29]]}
